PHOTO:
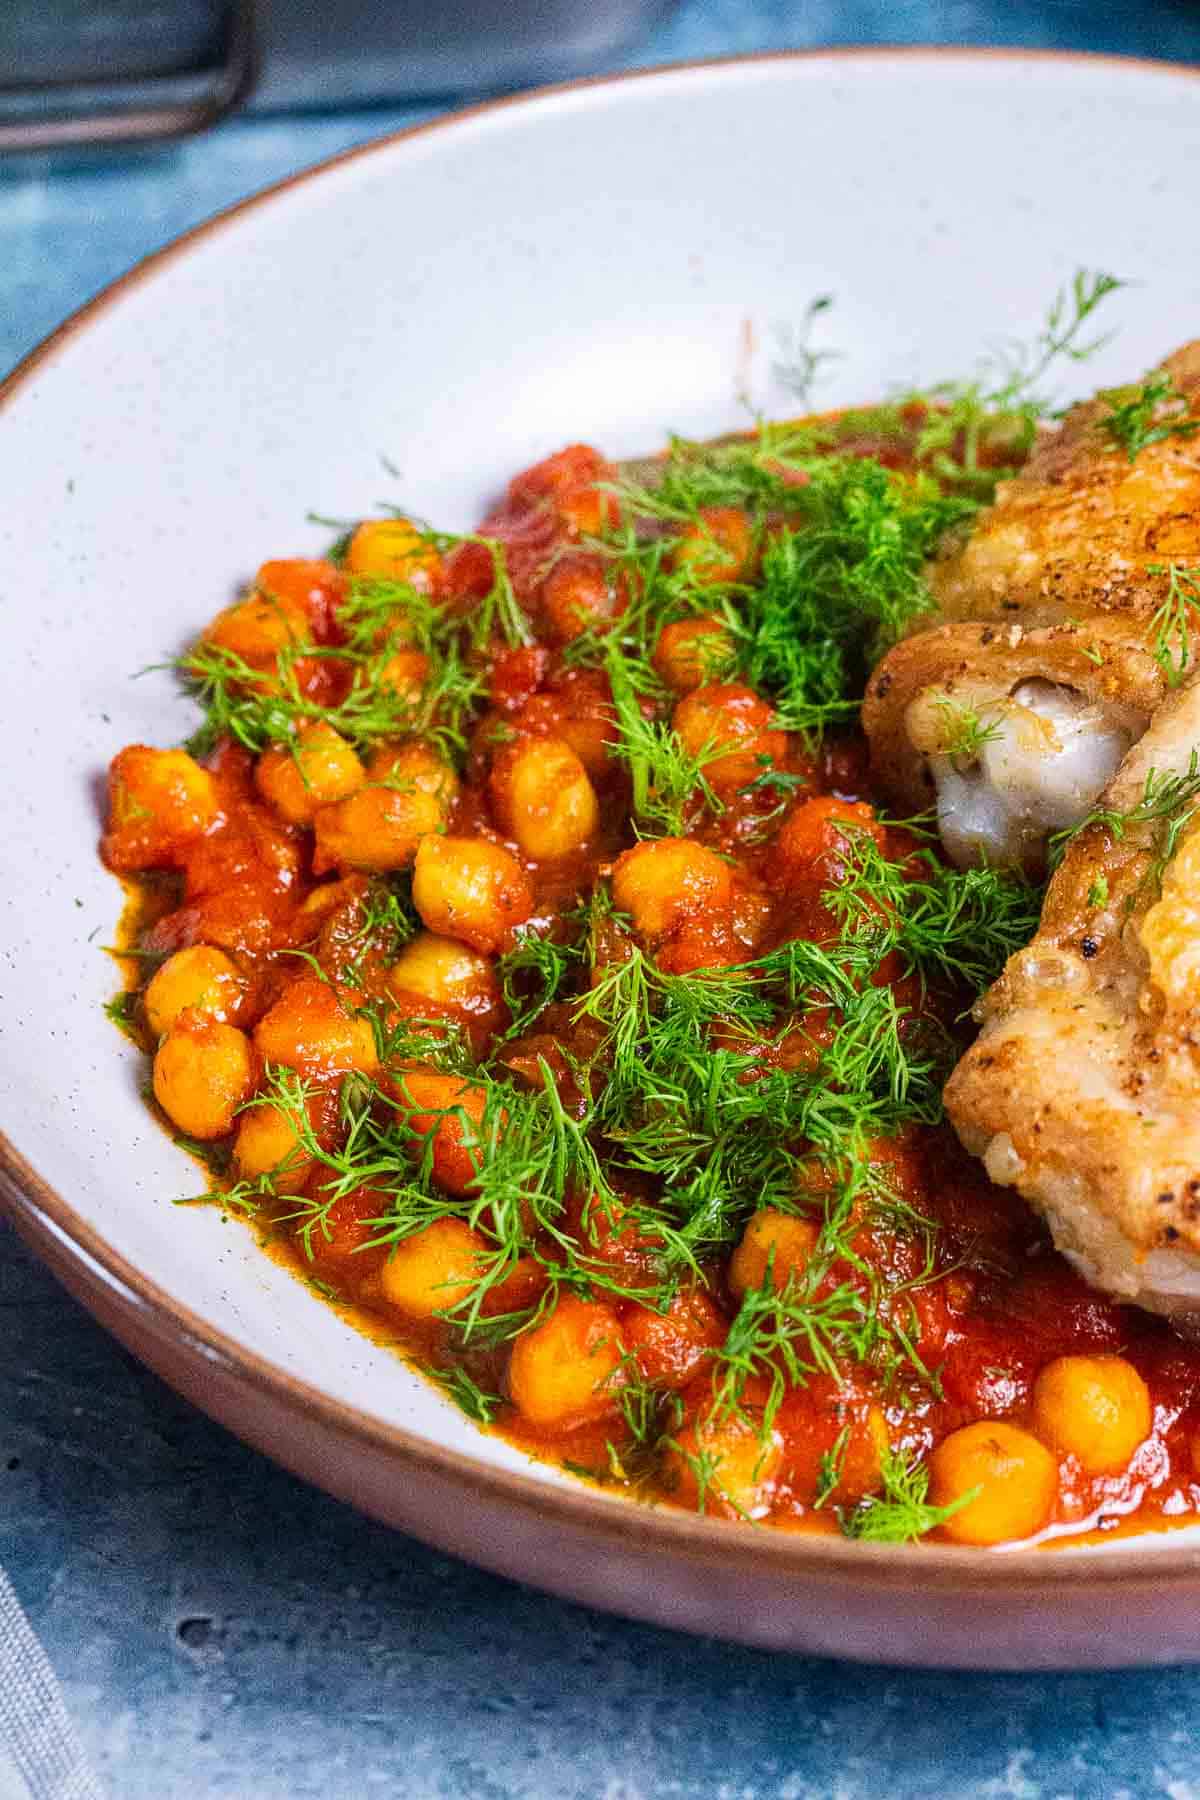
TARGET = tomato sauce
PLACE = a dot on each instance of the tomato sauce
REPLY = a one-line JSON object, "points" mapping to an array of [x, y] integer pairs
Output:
{"points": [[296, 935]]}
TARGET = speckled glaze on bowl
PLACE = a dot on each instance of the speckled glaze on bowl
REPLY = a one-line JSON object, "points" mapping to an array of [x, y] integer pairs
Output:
{"points": [[604, 261]]}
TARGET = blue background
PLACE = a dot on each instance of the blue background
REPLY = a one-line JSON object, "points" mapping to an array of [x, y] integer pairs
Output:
{"points": [[221, 1629]]}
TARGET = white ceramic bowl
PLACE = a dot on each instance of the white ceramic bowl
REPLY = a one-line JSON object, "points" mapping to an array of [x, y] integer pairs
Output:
{"points": [[602, 262]]}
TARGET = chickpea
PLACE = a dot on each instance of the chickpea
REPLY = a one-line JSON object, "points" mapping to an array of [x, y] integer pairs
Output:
{"points": [[776, 1238], [393, 550], [310, 589], [203, 1071], [817, 837], [309, 1029], [339, 1241], [724, 1465], [443, 970], [673, 1347], [1094, 1408], [409, 794], [691, 651], [257, 628], [523, 1285], [579, 711], [718, 548], [566, 1371], [434, 1269], [269, 1143], [405, 672], [204, 979], [578, 593], [1015, 1474], [450, 1112], [320, 769], [836, 1441], [543, 798], [734, 722], [563, 474], [469, 889], [159, 802], [663, 883]]}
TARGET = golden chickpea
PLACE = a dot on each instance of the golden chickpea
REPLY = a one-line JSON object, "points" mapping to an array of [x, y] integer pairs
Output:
{"points": [[566, 1371], [159, 802], [444, 970], [450, 1113], [1015, 1474], [543, 798], [393, 550], [320, 769], [663, 883], [268, 1143], [203, 1072], [718, 548], [1094, 1408], [409, 794], [731, 720], [866, 1445], [469, 889], [405, 672], [258, 628], [723, 1465], [199, 977], [578, 593], [309, 1029], [434, 1269], [773, 1237], [691, 652]]}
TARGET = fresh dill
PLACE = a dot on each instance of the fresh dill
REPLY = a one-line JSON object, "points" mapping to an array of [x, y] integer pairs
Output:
{"points": [[1169, 802], [901, 1512], [387, 920], [667, 778], [467, 1395], [797, 364], [830, 1469], [123, 1012], [977, 432], [1147, 414], [1175, 619], [839, 589], [964, 732], [532, 976], [257, 710], [950, 925]]}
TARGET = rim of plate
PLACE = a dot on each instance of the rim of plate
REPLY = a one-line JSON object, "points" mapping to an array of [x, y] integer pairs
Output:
{"points": [[64, 1238]]}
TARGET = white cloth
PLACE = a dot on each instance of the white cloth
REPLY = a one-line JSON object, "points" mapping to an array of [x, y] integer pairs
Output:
{"points": [[40, 1755]]}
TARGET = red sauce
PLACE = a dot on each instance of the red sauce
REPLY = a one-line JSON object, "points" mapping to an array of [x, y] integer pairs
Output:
{"points": [[984, 1303]]}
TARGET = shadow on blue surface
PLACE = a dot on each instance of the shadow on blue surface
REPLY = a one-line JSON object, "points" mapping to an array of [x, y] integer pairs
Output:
{"points": [[222, 1629]]}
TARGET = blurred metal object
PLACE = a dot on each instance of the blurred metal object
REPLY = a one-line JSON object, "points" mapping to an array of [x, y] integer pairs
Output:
{"points": [[57, 95], [349, 52], [89, 72]]}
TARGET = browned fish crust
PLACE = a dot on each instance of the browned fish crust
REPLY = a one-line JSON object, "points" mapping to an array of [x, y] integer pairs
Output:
{"points": [[1083, 1088], [1072, 534]]}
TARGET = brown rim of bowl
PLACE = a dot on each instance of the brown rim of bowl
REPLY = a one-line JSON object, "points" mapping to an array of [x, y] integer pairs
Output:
{"points": [[65, 1239]]}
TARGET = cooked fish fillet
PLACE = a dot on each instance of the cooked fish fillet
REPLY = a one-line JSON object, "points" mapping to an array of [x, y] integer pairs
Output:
{"points": [[1046, 631], [1008, 733], [1072, 534], [1083, 1088]]}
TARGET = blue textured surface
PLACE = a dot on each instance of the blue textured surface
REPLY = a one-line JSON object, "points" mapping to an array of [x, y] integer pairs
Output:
{"points": [[219, 1628]]}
